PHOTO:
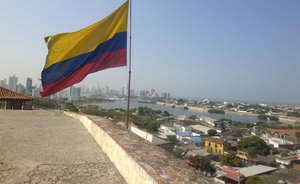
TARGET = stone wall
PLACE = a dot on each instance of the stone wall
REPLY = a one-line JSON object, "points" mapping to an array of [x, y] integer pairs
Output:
{"points": [[149, 137], [136, 159]]}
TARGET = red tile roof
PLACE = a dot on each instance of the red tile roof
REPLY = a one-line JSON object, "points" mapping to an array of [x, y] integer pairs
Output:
{"points": [[283, 131], [232, 172], [6, 94]]}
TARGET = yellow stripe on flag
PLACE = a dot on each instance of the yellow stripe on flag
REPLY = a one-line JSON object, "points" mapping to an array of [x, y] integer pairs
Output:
{"points": [[68, 45]]}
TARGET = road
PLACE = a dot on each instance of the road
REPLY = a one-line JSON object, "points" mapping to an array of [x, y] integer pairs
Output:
{"points": [[49, 147]]}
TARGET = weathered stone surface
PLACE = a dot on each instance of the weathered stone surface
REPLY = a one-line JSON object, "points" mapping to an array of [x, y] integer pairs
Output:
{"points": [[49, 147], [74, 173], [159, 164]]}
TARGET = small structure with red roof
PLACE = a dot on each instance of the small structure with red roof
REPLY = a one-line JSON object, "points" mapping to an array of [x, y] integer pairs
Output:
{"points": [[15, 100]]}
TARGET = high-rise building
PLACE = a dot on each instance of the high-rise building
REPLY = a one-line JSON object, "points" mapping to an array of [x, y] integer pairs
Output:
{"points": [[166, 95], [152, 93], [143, 94], [12, 83], [28, 86], [74, 93], [123, 91], [20, 89], [36, 92], [107, 90], [3, 83], [132, 92], [126, 89]]}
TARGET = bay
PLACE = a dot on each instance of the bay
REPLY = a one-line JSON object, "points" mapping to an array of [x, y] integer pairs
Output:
{"points": [[177, 112]]}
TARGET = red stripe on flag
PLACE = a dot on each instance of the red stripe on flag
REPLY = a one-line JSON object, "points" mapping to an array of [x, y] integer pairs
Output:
{"points": [[107, 60]]}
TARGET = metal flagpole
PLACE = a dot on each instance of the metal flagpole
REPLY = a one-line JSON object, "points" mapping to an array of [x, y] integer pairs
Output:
{"points": [[129, 65]]}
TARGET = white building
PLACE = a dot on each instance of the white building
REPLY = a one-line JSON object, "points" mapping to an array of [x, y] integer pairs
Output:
{"points": [[276, 142], [285, 162], [167, 128], [183, 128], [74, 93]]}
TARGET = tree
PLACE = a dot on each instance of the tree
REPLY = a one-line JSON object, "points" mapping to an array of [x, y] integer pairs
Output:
{"points": [[172, 139], [222, 126], [212, 132], [225, 120], [178, 152], [283, 153], [193, 117], [273, 163], [46, 103], [254, 145], [267, 117], [2, 104], [216, 111], [71, 107], [152, 126], [200, 162], [166, 114], [231, 160], [295, 114], [180, 101], [94, 112], [254, 180], [297, 134], [261, 124]]}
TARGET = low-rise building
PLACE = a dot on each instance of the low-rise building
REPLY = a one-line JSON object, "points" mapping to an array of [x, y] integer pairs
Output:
{"points": [[200, 129], [167, 128], [281, 143], [15, 101], [286, 162], [181, 127], [255, 170], [215, 145], [228, 175], [242, 155], [240, 175], [286, 134]]}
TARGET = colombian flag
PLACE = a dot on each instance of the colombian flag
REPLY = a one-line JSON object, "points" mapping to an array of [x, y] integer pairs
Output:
{"points": [[72, 56]]}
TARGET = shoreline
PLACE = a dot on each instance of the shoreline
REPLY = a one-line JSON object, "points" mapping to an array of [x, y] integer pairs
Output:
{"points": [[283, 119]]}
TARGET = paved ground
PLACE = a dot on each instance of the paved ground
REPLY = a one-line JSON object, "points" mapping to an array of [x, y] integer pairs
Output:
{"points": [[49, 147]]}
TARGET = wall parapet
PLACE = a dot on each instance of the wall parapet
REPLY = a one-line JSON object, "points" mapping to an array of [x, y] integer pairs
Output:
{"points": [[136, 159]]}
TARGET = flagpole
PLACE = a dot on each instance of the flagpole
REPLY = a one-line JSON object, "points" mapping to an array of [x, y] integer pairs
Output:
{"points": [[129, 65]]}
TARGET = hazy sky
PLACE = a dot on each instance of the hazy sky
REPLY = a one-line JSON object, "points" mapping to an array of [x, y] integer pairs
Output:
{"points": [[233, 49]]}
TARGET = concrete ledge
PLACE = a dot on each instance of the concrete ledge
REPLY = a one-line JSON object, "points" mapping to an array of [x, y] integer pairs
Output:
{"points": [[136, 159]]}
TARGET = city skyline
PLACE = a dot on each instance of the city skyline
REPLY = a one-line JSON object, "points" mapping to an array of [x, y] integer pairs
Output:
{"points": [[97, 90], [247, 51], [80, 90]]}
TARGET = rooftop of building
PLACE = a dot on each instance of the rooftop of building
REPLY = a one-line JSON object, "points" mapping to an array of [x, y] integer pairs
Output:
{"points": [[201, 128], [255, 170], [214, 139], [289, 132], [6, 94]]}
